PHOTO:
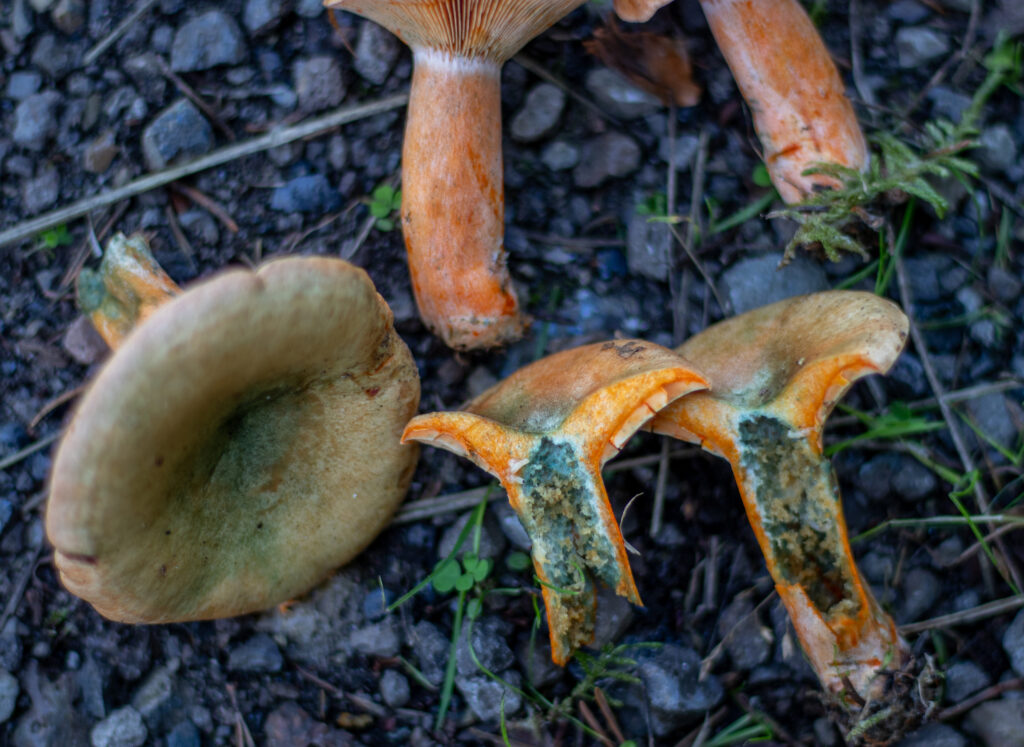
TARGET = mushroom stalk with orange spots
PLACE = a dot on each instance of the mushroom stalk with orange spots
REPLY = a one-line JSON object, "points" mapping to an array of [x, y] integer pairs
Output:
{"points": [[544, 432], [776, 373], [453, 200]]}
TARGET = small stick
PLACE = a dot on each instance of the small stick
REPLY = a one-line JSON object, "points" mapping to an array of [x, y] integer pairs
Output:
{"points": [[104, 44], [973, 615], [609, 715], [592, 722], [28, 450], [212, 206], [987, 694], [19, 587], [179, 236], [242, 733], [272, 139], [53, 404], [856, 61], [82, 253], [659, 489]]}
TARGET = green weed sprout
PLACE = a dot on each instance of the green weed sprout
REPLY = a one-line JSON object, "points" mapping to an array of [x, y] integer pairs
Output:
{"points": [[384, 202]]}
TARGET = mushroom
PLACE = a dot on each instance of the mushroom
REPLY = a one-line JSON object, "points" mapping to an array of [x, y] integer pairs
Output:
{"points": [[801, 113], [544, 432], [638, 11], [776, 373], [240, 444], [452, 190]]}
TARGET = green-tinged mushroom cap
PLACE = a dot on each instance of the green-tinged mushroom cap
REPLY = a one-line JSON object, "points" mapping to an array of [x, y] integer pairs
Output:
{"points": [[240, 444]]}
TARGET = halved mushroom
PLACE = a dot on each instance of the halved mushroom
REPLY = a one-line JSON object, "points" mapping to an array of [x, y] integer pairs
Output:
{"points": [[776, 373], [240, 444], [544, 432], [453, 204]]}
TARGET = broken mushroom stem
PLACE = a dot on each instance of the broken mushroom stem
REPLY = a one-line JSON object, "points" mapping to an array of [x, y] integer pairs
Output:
{"points": [[126, 289], [453, 200], [776, 373], [545, 432]]}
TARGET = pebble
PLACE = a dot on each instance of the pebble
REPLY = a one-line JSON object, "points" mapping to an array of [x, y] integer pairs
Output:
{"points": [[758, 281], [289, 725], [261, 16], [947, 103], [539, 114], [8, 693], [35, 120], [156, 691], [318, 83], [207, 40], [934, 735], [487, 698], [610, 155], [921, 590], [306, 194], [83, 343], [618, 96], [917, 46], [200, 227], [897, 475], [55, 56], [380, 639], [685, 149], [40, 192], [649, 247], [675, 691], [997, 148], [492, 541], [999, 723], [178, 133], [1013, 643], [748, 642], [309, 8], [993, 417], [430, 648], [394, 688], [489, 636], [68, 16], [376, 51], [122, 728], [259, 654], [560, 155], [1005, 285], [963, 679], [100, 153], [184, 734], [22, 84], [908, 11]]}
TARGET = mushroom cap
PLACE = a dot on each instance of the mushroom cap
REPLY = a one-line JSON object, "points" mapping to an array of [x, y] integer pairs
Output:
{"points": [[241, 444], [638, 11]]}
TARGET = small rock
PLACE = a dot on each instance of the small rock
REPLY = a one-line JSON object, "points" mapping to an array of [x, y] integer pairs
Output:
{"points": [[100, 153], [747, 641], [262, 15], [1000, 723], [649, 247], [376, 51], [155, 692], [758, 281], [22, 84], [430, 648], [318, 83], [685, 149], [35, 120], [997, 148], [934, 735], [1013, 643], [489, 645], [258, 654], [210, 39], [510, 524], [921, 590], [55, 56], [122, 728], [380, 639], [1005, 286], [948, 103], [492, 541], [394, 688], [675, 691], [41, 191], [487, 698], [610, 155], [618, 95], [916, 46], [992, 415], [306, 194], [913, 480], [290, 726], [309, 8], [964, 678], [8, 694], [68, 16], [539, 114], [178, 133], [83, 343], [908, 11], [560, 155], [337, 152], [184, 734], [613, 618], [200, 226]]}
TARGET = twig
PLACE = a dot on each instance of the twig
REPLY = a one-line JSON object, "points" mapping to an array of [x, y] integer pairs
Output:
{"points": [[212, 206], [179, 236], [987, 694], [609, 715], [856, 61], [659, 489], [28, 450], [272, 139], [104, 44], [358, 700], [242, 733], [593, 723], [53, 404], [19, 588], [973, 615]]}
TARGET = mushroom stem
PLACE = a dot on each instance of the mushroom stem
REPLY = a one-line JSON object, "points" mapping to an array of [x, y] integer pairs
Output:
{"points": [[126, 289], [787, 77], [453, 201]]}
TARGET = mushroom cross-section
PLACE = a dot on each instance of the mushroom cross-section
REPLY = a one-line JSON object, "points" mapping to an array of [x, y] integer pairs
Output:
{"points": [[453, 201], [544, 432], [241, 443], [776, 373]]}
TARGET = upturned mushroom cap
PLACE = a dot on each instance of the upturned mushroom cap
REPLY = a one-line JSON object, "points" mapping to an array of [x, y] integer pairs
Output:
{"points": [[241, 444], [544, 432]]}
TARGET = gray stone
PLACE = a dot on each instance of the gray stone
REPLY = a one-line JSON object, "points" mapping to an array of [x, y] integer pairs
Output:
{"points": [[54, 56], [613, 618], [430, 648], [487, 698], [947, 103], [999, 723], [100, 153], [758, 281], [184, 734], [934, 735], [210, 39], [921, 590], [913, 480], [489, 645], [122, 728], [9, 690], [145, 71], [908, 11], [259, 654], [510, 525], [262, 15], [649, 247], [675, 690], [394, 688], [178, 133], [22, 84], [309, 8], [41, 191], [620, 97], [376, 51], [1013, 643], [685, 149], [200, 226], [35, 120], [1005, 285], [380, 639], [306, 194], [539, 114], [992, 415], [492, 541], [318, 83], [963, 679], [607, 156], [918, 46], [559, 155], [748, 642], [156, 691], [68, 15], [52, 721], [997, 148]]}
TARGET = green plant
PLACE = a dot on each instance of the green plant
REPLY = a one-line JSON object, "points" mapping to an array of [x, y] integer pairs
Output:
{"points": [[655, 207], [52, 238], [384, 201], [747, 729]]}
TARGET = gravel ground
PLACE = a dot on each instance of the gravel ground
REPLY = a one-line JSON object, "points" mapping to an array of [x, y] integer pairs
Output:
{"points": [[583, 149]]}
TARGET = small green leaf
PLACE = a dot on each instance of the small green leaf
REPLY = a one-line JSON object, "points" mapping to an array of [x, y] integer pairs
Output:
{"points": [[464, 582], [518, 561], [475, 608], [385, 224], [446, 575], [380, 209], [760, 176], [482, 569], [383, 194]]}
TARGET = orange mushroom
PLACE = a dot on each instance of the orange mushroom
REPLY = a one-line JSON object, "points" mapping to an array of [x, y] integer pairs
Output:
{"points": [[776, 373], [638, 11], [453, 203], [544, 432], [787, 77]]}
